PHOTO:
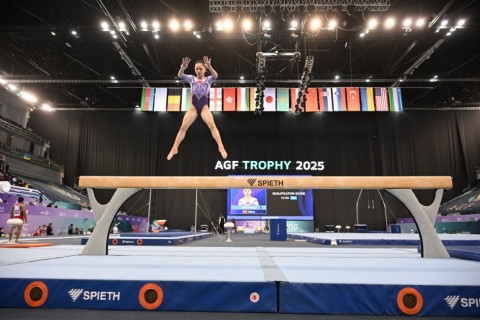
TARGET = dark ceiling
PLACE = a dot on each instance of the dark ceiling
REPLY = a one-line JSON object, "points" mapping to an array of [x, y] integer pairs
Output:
{"points": [[73, 71]]}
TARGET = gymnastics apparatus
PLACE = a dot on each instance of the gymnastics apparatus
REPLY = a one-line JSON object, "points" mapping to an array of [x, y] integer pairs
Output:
{"points": [[399, 186]]}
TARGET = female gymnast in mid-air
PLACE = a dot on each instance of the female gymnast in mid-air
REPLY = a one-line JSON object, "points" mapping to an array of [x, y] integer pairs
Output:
{"points": [[200, 86]]}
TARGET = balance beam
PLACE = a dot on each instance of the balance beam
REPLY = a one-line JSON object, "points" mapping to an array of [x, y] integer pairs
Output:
{"points": [[400, 187], [267, 182]]}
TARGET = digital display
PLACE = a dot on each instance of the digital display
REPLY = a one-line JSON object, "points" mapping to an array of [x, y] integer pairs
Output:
{"points": [[252, 204]]}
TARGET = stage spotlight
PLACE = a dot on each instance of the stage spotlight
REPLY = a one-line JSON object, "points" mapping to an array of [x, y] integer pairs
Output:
{"points": [[389, 23], [174, 25], [372, 23], [156, 25], [188, 25], [407, 23], [332, 24], [420, 22], [144, 25], [247, 24], [266, 25], [315, 24], [228, 24]]}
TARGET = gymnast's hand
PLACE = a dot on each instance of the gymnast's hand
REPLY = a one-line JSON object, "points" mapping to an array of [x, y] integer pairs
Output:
{"points": [[185, 62], [207, 62]]}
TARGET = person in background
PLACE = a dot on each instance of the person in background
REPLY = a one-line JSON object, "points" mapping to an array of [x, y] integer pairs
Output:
{"points": [[18, 211], [38, 232], [70, 229], [221, 223], [50, 229]]}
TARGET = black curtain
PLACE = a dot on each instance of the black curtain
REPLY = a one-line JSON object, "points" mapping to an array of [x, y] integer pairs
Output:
{"points": [[126, 143]]}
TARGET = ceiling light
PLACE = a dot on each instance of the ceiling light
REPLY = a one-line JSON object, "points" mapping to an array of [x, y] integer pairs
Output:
{"points": [[74, 32], [337, 77], [27, 96], [266, 25], [372, 23], [3, 81], [156, 36], [389, 23], [12, 87], [46, 107], [105, 26], [174, 25], [448, 34], [121, 25], [188, 25], [219, 25], [293, 24], [144, 25], [156, 25], [420, 22], [114, 36], [227, 24], [452, 29], [247, 24], [53, 33], [407, 22], [315, 24], [444, 23], [461, 22], [332, 24]]}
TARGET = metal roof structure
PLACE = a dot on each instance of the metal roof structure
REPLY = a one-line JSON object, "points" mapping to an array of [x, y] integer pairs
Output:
{"points": [[59, 51]]}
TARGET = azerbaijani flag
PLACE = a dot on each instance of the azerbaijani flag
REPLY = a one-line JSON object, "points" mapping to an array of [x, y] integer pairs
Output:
{"points": [[147, 99]]}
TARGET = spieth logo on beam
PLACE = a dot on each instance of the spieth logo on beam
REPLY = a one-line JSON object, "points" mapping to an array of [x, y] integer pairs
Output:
{"points": [[264, 183]]}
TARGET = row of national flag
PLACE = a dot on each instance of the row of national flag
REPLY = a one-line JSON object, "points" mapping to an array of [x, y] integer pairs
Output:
{"points": [[277, 99]]}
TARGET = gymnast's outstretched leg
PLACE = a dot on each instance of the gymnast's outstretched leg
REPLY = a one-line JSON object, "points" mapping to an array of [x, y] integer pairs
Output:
{"points": [[208, 118], [188, 119]]}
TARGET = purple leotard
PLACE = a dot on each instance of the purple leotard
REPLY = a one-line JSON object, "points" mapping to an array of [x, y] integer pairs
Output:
{"points": [[200, 91]]}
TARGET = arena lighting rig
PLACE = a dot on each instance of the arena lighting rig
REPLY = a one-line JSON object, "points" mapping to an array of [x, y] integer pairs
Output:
{"points": [[225, 6]]}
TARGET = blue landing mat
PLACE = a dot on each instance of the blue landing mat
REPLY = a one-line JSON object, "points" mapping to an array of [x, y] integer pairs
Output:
{"points": [[139, 295], [385, 239], [378, 300], [468, 253], [162, 234], [134, 239]]}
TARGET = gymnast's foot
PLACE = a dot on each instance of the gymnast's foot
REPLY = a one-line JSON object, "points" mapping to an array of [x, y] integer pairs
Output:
{"points": [[172, 153], [223, 153]]}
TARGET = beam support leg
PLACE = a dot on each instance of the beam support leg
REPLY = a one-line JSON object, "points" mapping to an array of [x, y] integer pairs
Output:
{"points": [[424, 216], [97, 245]]}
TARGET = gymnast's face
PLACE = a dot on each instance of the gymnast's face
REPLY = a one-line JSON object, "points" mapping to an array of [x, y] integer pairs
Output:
{"points": [[200, 70], [247, 192]]}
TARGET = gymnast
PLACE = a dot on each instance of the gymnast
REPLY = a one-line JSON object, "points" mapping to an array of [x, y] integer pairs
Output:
{"points": [[200, 86]]}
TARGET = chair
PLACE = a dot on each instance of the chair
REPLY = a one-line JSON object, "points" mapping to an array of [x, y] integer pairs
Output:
{"points": [[347, 228], [338, 227]]}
